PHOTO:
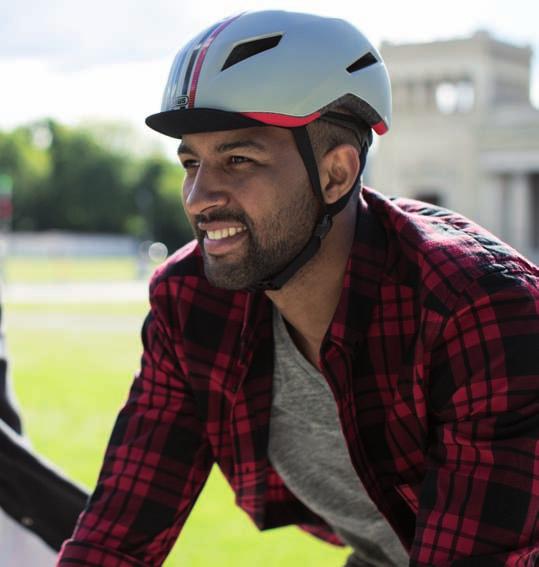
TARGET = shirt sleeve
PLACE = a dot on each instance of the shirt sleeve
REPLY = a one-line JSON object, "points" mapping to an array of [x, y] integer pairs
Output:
{"points": [[479, 501], [156, 464]]}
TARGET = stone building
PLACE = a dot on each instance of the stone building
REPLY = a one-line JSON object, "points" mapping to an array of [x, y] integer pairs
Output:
{"points": [[465, 134]]}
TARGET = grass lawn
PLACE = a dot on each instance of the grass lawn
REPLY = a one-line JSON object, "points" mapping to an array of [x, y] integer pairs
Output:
{"points": [[72, 366], [58, 269]]}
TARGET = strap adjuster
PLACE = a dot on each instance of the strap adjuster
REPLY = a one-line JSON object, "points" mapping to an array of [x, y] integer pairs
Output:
{"points": [[323, 227]]}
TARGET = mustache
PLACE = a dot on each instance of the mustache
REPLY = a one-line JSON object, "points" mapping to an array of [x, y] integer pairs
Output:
{"points": [[222, 216]]}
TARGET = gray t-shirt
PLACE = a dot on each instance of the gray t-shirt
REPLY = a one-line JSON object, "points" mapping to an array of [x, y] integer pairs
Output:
{"points": [[308, 450]]}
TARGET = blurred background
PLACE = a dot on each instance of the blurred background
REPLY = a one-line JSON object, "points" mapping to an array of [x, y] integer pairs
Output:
{"points": [[90, 198]]}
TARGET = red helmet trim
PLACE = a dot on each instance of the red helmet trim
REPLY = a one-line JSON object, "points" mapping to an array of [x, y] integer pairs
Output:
{"points": [[198, 67], [380, 128], [283, 120]]}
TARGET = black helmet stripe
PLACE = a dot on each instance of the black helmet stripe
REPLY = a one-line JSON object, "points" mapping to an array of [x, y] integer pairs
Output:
{"points": [[194, 54], [173, 90]]}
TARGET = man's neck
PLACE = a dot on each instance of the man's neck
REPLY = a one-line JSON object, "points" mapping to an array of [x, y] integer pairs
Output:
{"points": [[308, 301]]}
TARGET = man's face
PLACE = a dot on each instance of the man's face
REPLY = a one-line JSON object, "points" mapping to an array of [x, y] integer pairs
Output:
{"points": [[247, 196]]}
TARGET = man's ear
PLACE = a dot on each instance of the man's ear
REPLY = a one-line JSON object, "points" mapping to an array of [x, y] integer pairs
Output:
{"points": [[339, 169]]}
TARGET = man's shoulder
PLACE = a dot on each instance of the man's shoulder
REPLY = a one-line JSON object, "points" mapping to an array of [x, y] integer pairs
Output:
{"points": [[188, 306], [433, 234], [182, 276], [441, 251]]}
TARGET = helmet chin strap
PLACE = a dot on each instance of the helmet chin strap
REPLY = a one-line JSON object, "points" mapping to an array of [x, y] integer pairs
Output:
{"points": [[324, 224]]}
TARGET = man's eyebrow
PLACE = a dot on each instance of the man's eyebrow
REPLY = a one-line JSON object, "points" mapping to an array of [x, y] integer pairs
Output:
{"points": [[240, 144], [183, 148]]}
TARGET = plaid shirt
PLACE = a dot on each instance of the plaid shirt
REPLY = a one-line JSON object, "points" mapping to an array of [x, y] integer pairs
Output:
{"points": [[432, 356]]}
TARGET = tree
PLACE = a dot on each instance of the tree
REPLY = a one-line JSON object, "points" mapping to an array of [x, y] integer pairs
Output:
{"points": [[28, 166], [68, 178], [158, 197]]}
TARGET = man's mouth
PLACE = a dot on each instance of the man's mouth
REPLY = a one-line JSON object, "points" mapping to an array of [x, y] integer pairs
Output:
{"points": [[226, 232], [221, 237]]}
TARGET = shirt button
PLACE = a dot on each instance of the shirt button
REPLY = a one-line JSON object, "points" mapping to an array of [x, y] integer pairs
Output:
{"points": [[27, 521]]}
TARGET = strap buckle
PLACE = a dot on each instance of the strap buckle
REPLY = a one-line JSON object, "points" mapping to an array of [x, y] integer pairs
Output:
{"points": [[323, 227]]}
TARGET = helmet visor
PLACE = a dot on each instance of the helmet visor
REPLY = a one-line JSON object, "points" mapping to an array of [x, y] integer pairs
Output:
{"points": [[176, 123]]}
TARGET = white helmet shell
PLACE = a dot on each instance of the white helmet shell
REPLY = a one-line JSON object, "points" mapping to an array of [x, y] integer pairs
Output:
{"points": [[272, 67]]}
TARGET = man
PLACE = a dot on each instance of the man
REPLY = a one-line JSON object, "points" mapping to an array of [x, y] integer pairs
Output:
{"points": [[38, 506], [363, 367]]}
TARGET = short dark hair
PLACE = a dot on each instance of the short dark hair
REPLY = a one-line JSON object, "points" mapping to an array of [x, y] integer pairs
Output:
{"points": [[326, 135]]}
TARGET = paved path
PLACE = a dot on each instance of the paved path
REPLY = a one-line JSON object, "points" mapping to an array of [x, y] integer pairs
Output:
{"points": [[75, 292]]}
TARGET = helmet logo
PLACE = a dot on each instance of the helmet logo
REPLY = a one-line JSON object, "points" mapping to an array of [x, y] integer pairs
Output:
{"points": [[181, 102]]}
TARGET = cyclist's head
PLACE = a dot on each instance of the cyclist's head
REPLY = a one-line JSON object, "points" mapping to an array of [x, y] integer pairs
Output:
{"points": [[320, 77]]}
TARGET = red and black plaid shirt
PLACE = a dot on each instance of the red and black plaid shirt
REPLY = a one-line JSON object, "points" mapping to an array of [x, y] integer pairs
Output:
{"points": [[433, 358]]}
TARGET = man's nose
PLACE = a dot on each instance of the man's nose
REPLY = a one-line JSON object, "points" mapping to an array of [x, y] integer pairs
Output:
{"points": [[205, 191]]}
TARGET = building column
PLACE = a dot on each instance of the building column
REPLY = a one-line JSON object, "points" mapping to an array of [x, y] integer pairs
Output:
{"points": [[489, 209], [519, 222], [420, 94]]}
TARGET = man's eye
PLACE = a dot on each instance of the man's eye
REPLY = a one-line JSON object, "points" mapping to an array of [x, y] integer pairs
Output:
{"points": [[189, 163], [239, 159]]}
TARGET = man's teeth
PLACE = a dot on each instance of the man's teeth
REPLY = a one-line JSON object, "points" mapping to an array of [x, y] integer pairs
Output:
{"points": [[225, 232]]}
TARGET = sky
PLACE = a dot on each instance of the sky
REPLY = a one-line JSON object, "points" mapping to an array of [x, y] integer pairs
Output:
{"points": [[109, 59]]}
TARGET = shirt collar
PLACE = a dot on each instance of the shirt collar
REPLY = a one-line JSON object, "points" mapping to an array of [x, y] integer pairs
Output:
{"points": [[361, 285]]}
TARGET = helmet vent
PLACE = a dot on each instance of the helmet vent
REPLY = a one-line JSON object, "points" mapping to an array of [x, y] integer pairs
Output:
{"points": [[365, 61], [249, 48]]}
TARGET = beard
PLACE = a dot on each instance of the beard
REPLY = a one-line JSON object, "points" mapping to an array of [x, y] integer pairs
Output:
{"points": [[270, 245]]}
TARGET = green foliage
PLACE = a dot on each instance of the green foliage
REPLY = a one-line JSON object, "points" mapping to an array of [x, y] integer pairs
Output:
{"points": [[157, 194], [76, 179], [29, 168]]}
